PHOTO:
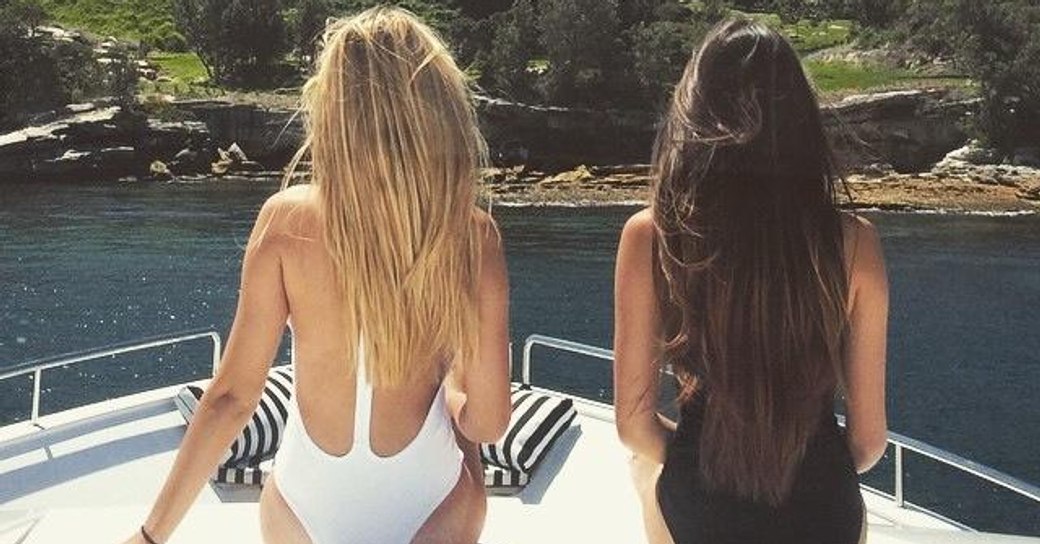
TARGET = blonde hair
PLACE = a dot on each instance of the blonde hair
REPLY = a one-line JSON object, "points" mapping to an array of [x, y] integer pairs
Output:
{"points": [[395, 157]]}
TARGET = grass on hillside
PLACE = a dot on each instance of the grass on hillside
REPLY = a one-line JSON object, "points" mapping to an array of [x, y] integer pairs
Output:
{"points": [[146, 21], [184, 67], [185, 76], [838, 77], [808, 36]]}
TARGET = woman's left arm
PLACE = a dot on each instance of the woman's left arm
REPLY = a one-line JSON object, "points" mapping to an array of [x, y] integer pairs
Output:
{"points": [[235, 390]]}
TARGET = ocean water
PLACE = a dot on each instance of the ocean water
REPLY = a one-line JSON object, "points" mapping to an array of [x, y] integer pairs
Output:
{"points": [[86, 266]]}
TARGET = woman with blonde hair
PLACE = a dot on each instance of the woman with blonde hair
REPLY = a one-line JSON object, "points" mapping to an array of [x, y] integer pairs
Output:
{"points": [[767, 301], [395, 287]]}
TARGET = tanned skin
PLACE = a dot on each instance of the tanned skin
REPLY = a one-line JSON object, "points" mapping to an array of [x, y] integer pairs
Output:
{"points": [[287, 276]]}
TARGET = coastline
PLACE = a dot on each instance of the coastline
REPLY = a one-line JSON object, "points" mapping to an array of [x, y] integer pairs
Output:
{"points": [[973, 192], [925, 193]]}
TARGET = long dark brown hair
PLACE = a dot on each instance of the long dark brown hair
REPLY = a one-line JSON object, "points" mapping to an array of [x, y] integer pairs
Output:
{"points": [[753, 290]]}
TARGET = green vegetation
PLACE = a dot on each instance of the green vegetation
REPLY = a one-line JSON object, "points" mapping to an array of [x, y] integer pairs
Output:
{"points": [[808, 35], [840, 75], [182, 74], [183, 67], [998, 46], [147, 21], [38, 73], [586, 53]]}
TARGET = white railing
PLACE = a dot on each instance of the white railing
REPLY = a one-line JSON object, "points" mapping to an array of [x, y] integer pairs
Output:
{"points": [[37, 366], [899, 442]]}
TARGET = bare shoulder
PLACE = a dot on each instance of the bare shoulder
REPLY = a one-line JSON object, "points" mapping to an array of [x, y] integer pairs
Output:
{"points": [[292, 198], [299, 194], [856, 225], [863, 252], [639, 231], [641, 223], [493, 273], [291, 212]]}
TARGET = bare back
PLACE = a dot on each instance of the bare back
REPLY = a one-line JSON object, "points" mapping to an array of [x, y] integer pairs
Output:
{"points": [[325, 385]]}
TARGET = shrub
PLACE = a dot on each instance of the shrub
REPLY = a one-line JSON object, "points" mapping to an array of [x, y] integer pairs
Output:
{"points": [[240, 42], [306, 22], [516, 41], [38, 73], [998, 46], [580, 39], [660, 51]]}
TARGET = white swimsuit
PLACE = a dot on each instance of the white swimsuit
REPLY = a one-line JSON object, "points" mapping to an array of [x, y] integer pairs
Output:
{"points": [[361, 497]]}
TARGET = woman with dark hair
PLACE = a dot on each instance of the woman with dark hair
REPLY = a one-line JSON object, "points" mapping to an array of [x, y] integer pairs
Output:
{"points": [[767, 301]]}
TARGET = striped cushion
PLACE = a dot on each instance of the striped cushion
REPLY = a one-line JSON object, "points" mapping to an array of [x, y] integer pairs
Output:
{"points": [[536, 422], [261, 436], [495, 478], [502, 479], [245, 475]]}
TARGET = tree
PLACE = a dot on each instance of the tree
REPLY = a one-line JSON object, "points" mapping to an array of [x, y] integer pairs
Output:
{"points": [[307, 22], [480, 9], [580, 39], [239, 42], [873, 13], [633, 12], [789, 11], [660, 51], [711, 11], [201, 23], [441, 15], [998, 46], [253, 41], [506, 70], [752, 5], [39, 73]]}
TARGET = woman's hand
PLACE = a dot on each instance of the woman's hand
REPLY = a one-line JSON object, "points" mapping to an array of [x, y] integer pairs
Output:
{"points": [[136, 538]]}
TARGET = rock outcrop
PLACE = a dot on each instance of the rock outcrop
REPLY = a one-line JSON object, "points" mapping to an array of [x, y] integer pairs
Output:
{"points": [[551, 138], [908, 131], [266, 135], [94, 143]]}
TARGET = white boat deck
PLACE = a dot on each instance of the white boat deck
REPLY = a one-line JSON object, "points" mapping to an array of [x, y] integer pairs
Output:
{"points": [[89, 475]]}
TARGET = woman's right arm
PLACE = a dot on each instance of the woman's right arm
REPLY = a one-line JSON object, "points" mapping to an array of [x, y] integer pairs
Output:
{"points": [[637, 345], [865, 352], [482, 409]]}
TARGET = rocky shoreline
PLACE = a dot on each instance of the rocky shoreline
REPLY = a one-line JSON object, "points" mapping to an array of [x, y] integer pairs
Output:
{"points": [[903, 149], [952, 188]]}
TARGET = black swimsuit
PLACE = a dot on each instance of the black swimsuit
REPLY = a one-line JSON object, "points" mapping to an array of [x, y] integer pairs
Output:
{"points": [[824, 505]]}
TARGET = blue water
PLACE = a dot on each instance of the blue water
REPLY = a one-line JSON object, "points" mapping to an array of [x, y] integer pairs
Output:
{"points": [[83, 266]]}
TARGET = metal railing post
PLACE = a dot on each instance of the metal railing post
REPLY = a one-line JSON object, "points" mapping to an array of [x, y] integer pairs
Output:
{"points": [[899, 476], [216, 351], [36, 396], [525, 370]]}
